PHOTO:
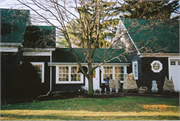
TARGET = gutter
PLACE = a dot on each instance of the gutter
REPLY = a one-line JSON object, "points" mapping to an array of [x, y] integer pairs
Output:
{"points": [[50, 88]]}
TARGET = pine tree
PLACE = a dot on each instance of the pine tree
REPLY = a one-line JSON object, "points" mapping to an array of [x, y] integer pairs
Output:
{"points": [[149, 9], [108, 28]]}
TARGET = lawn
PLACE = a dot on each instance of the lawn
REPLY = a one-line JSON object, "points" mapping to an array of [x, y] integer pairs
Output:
{"points": [[124, 108]]}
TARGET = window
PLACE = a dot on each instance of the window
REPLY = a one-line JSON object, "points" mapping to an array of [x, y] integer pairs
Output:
{"points": [[63, 73], [39, 66], [156, 66], [135, 69], [68, 74], [119, 73], [107, 72], [75, 76], [94, 73], [173, 62], [113, 72]]}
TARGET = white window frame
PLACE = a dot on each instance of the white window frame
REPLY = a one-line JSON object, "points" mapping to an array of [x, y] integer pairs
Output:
{"points": [[113, 76], [69, 76], [135, 70], [160, 66], [42, 64]]}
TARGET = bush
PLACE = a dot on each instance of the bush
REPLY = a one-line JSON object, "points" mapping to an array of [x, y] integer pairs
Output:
{"points": [[26, 83]]}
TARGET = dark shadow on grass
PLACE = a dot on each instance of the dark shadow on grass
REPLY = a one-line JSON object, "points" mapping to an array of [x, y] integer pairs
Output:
{"points": [[61, 117]]}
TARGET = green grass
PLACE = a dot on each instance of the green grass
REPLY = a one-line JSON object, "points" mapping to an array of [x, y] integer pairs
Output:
{"points": [[125, 108]]}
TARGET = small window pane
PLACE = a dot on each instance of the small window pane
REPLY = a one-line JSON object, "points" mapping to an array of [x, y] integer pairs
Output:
{"points": [[173, 62], [122, 77], [94, 74], [63, 77], [156, 66], [122, 69], [178, 62]]}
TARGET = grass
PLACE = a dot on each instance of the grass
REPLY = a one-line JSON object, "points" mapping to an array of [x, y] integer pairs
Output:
{"points": [[125, 108]]}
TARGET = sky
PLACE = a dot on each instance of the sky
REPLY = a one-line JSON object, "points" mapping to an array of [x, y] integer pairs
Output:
{"points": [[14, 4]]}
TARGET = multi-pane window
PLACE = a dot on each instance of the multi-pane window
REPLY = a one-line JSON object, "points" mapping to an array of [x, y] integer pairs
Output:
{"points": [[39, 70], [135, 69], [68, 74], [63, 73], [113, 72], [173, 62], [108, 72], [39, 66], [75, 76], [119, 73]]}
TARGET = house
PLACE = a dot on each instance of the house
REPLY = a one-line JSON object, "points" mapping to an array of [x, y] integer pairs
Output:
{"points": [[22, 41], [153, 49]]}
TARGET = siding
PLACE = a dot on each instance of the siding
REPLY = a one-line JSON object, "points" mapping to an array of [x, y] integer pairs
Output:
{"points": [[44, 59], [146, 75], [9, 65]]}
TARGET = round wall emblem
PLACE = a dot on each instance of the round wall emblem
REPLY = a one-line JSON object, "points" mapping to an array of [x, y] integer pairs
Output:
{"points": [[156, 66]]}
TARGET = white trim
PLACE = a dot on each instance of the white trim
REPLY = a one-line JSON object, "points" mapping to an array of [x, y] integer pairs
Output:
{"points": [[36, 53], [160, 66], [39, 49], [159, 55], [130, 37], [133, 69], [69, 74], [10, 44], [85, 64], [8, 49], [43, 69]]}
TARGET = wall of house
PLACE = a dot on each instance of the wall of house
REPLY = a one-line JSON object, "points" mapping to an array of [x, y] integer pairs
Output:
{"points": [[10, 62], [44, 59], [146, 75]]}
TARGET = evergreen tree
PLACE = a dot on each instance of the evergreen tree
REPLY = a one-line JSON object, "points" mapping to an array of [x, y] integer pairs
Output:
{"points": [[149, 9], [108, 28]]}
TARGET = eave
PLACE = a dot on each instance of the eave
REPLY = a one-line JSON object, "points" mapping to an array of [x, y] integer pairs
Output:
{"points": [[159, 55]]}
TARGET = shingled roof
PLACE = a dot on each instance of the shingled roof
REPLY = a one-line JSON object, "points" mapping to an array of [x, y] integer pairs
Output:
{"points": [[13, 25], [40, 37], [154, 36], [65, 55]]}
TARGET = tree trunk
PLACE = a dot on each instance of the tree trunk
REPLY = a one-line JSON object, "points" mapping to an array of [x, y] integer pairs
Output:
{"points": [[90, 79]]}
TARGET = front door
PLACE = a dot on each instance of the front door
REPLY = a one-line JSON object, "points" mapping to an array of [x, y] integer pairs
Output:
{"points": [[96, 83], [174, 69]]}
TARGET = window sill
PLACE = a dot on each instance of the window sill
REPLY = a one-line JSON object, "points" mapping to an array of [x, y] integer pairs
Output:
{"points": [[68, 82]]}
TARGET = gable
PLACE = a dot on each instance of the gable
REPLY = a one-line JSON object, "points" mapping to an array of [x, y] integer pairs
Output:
{"points": [[65, 55], [40, 37], [154, 36], [13, 25]]}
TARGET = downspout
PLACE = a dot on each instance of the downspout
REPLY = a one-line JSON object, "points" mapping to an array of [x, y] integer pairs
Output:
{"points": [[50, 88]]}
